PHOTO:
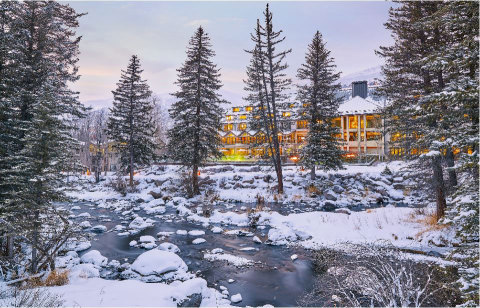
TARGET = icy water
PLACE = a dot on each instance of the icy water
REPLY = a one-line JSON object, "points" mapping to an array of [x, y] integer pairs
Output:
{"points": [[274, 278]]}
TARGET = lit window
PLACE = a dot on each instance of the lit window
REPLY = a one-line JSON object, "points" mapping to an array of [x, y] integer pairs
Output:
{"points": [[248, 108], [243, 117], [227, 127], [242, 126], [353, 122], [286, 114], [236, 109], [229, 117]]}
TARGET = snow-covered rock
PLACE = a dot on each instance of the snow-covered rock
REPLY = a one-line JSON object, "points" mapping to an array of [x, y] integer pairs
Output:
{"points": [[83, 271], [217, 230], [231, 259], [196, 232], [169, 247], [256, 239], [139, 224], [99, 228], [94, 257], [294, 257], [146, 239], [85, 224], [198, 241], [157, 262], [236, 298], [182, 232]]}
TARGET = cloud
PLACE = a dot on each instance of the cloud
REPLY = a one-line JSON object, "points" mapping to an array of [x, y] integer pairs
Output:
{"points": [[197, 22]]}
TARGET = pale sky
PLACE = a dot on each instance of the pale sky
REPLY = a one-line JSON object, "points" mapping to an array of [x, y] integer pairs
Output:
{"points": [[158, 32]]}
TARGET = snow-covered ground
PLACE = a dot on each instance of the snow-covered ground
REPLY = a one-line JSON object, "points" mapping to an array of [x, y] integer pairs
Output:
{"points": [[340, 207]]}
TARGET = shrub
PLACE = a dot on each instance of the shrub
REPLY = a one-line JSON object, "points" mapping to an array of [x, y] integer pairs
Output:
{"points": [[119, 184], [57, 278]]}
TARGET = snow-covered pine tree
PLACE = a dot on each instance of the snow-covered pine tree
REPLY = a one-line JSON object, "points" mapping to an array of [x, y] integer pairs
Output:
{"points": [[460, 98], [268, 87], [131, 124], [99, 141], [415, 121], [197, 112], [47, 55], [317, 95]]}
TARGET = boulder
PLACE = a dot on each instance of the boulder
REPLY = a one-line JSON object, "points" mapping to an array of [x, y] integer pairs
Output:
{"points": [[158, 262]]}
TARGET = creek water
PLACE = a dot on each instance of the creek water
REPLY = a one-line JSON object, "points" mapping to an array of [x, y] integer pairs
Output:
{"points": [[273, 279]]}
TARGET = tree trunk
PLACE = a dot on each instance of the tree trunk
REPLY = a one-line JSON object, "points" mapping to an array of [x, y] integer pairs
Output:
{"points": [[131, 168], [196, 189], [439, 186], [10, 246], [312, 173], [452, 174]]}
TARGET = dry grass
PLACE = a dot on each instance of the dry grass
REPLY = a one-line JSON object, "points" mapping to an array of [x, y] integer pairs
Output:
{"points": [[57, 278], [313, 190], [428, 219]]}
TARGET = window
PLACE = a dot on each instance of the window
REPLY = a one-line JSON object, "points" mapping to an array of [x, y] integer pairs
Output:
{"points": [[229, 117], [243, 117], [236, 109], [353, 122], [373, 121], [353, 136], [242, 126], [373, 136], [286, 114], [227, 127], [248, 108], [302, 124], [231, 139], [245, 139], [300, 139]]}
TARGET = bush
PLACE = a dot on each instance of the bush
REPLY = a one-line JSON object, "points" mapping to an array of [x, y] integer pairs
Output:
{"points": [[186, 183], [119, 184]]}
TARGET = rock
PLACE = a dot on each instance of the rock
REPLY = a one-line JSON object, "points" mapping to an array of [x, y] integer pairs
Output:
{"points": [[147, 239], [198, 241], [98, 229], [139, 224], [338, 189], [231, 280], [94, 257], [156, 195], [133, 243], [182, 232], [294, 257], [83, 271], [329, 207], [157, 262], [85, 225], [256, 239], [343, 211], [196, 232], [329, 195], [251, 181], [236, 298], [193, 300], [169, 247], [217, 230]]}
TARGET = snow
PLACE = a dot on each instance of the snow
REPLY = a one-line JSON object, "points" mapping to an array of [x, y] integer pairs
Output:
{"points": [[156, 262], [99, 228], [97, 292], [139, 224], [358, 105], [230, 259], [294, 257], [181, 232], [196, 232], [217, 230], [169, 247], [94, 257], [85, 225], [198, 241], [236, 298]]}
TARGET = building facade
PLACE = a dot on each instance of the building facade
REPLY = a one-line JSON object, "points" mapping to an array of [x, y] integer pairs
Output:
{"points": [[360, 122]]}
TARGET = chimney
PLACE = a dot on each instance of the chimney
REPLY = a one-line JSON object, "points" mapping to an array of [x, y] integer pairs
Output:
{"points": [[360, 88]]}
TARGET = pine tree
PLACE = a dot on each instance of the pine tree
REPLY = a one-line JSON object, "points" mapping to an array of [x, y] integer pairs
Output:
{"points": [[416, 116], [197, 113], [45, 58], [268, 88], [318, 96], [131, 125]]}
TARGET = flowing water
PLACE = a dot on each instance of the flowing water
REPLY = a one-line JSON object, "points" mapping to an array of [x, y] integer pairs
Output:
{"points": [[274, 278]]}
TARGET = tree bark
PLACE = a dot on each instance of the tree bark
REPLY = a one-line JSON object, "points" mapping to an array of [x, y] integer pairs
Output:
{"points": [[312, 173], [10, 246], [196, 188], [439, 186]]}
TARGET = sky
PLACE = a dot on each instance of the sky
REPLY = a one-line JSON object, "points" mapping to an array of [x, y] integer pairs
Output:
{"points": [[158, 32]]}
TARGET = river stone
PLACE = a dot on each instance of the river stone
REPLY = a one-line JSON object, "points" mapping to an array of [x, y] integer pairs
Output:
{"points": [[329, 195], [329, 207], [338, 189]]}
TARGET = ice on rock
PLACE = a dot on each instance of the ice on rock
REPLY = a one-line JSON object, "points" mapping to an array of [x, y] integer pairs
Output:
{"points": [[217, 230], [157, 262], [198, 241], [236, 298], [196, 232], [85, 224], [99, 228], [293, 257], [168, 247], [256, 239], [182, 232], [94, 257], [139, 224]]}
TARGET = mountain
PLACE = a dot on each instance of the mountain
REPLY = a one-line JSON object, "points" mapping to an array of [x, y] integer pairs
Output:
{"points": [[368, 74]]}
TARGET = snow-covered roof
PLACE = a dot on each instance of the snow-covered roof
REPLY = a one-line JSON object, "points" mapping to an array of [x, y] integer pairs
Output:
{"points": [[358, 105]]}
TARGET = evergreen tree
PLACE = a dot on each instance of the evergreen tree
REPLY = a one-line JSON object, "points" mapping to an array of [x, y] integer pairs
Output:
{"points": [[131, 125], [44, 58], [317, 95], [197, 112], [268, 88], [416, 123]]}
